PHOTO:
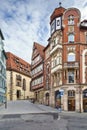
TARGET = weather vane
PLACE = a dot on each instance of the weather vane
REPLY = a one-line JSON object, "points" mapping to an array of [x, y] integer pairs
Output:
{"points": [[60, 4]]}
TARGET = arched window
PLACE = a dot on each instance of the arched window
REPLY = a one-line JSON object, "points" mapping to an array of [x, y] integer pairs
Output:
{"points": [[71, 38], [24, 84], [71, 57], [70, 19]]}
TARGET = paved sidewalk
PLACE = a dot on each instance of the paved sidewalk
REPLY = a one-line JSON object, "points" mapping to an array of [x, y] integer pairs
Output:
{"points": [[24, 107]]}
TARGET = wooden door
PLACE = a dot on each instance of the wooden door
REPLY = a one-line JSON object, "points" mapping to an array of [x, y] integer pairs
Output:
{"points": [[85, 104], [71, 104]]}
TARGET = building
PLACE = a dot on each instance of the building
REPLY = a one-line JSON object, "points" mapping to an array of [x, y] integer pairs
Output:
{"points": [[68, 56], [18, 78], [47, 74], [2, 70], [56, 50], [37, 72]]}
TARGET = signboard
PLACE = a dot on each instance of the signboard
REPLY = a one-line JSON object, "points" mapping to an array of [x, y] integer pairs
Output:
{"points": [[61, 92]]}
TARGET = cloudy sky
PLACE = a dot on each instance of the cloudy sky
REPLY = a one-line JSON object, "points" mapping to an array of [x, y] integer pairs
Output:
{"points": [[24, 21]]}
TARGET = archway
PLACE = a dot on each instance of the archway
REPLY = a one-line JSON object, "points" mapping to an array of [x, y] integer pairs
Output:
{"points": [[47, 99], [71, 100], [57, 99], [85, 100]]}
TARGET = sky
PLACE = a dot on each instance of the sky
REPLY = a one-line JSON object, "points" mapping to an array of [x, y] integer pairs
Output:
{"points": [[24, 22]]}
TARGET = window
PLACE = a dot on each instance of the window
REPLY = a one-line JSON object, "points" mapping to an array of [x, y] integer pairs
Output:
{"points": [[70, 20], [70, 76], [53, 26], [71, 57], [86, 38], [18, 80], [24, 84], [71, 38], [71, 93]]}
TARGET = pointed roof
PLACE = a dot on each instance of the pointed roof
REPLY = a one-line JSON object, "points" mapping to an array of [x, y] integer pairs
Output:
{"points": [[57, 12], [40, 48]]}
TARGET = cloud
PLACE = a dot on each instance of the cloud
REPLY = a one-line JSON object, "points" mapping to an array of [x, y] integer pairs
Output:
{"points": [[26, 21]]}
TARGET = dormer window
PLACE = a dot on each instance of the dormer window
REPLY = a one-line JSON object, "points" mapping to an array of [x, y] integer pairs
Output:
{"points": [[70, 20]]}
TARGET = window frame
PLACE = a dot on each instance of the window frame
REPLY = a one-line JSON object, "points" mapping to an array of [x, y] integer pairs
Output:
{"points": [[71, 38]]}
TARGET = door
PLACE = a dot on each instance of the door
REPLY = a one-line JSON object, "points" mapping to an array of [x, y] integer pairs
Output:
{"points": [[85, 100], [71, 104], [18, 94], [71, 100], [85, 104]]}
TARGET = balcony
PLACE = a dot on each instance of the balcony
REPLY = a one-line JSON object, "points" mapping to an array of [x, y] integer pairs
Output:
{"points": [[71, 65], [56, 68], [55, 48]]}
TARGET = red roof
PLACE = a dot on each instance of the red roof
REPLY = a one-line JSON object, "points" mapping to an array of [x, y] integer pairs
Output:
{"points": [[17, 64]]}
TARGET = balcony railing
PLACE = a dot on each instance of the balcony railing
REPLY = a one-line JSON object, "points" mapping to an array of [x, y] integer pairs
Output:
{"points": [[56, 68], [55, 48], [71, 65]]}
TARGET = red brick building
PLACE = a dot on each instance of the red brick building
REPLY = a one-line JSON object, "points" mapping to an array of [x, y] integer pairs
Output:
{"points": [[65, 62], [37, 72], [68, 52]]}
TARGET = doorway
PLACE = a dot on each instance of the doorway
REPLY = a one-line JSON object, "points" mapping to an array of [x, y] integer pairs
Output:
{"points": [[47, 99], [18, 94], [71, 100], [58, 99], [85, 100]]}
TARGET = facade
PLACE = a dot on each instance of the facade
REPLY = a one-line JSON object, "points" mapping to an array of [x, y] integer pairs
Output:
{"points": [[47, 76], [37, 72], [68, 53], [18, 78], [2, 70], [56, 50]]}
